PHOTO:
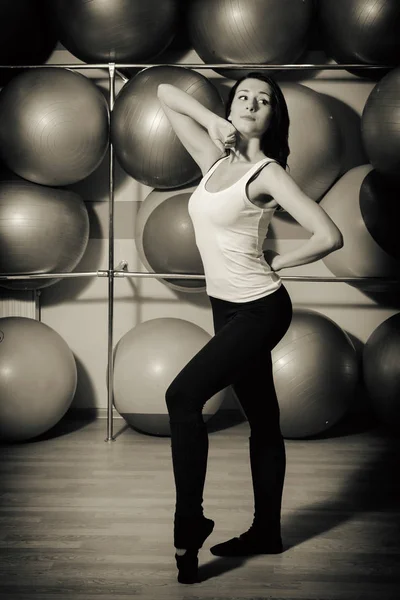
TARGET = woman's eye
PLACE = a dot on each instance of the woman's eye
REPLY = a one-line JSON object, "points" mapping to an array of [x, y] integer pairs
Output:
{"points": [[242, 97]]}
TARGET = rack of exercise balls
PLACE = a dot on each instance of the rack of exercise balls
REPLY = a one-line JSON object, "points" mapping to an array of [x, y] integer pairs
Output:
{"points": [[116, 272]]}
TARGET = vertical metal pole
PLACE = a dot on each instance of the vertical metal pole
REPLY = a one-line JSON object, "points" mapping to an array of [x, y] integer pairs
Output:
{"points": [[110, 370], [38, 311]]}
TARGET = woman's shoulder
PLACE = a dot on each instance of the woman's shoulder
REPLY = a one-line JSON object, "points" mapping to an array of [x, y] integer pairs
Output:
{"points": [[271, 171], [270, 159], [274, 169]]}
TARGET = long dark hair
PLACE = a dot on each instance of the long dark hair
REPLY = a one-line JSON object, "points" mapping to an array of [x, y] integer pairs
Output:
{"points": [[274, 142]]}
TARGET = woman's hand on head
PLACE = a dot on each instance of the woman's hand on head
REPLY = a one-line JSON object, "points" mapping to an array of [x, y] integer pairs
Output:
{"points": [[222, 133]]}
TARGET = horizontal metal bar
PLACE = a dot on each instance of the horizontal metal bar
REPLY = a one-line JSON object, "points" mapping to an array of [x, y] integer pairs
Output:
{"points": [[122, 273], [53, 275], [291, 67], [309, 278], [157, 275]]}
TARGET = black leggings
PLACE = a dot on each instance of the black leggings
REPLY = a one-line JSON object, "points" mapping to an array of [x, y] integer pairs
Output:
{"points": [[239, 354]]}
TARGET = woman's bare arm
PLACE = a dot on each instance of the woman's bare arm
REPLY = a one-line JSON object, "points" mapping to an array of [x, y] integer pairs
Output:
{"points": [[326, 237], [204, 134]]}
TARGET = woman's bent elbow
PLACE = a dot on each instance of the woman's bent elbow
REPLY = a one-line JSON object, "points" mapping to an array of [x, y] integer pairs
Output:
{"points": [[336, 241]]}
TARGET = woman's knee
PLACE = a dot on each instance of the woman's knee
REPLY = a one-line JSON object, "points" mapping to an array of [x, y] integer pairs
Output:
{"points": [[179, 403], [173, 398]]}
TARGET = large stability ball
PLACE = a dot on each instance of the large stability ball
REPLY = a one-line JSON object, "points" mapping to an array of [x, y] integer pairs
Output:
{"points": [[147, 360], [315, 140], [361, 31], [352, 203], [249, 31], [53, 126], [381, 371], [116, 31], [380, 124], [315, 373], [42, 230], [379, 208], [26, 35], [144, 141], [165, 239], [38, 378]]}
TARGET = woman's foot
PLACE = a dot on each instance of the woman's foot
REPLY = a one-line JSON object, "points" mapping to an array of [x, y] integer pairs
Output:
{"points": [[248, 544], [189, 536], [187, 565]]}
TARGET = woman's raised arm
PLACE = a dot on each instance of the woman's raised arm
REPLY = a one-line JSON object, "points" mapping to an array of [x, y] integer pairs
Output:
{"points": [[204, 134]]}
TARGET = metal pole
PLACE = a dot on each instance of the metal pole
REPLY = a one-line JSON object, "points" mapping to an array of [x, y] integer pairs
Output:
{"points": [[227, 66], [120, 271], [309, 278], [110, 369], [15, 277]]}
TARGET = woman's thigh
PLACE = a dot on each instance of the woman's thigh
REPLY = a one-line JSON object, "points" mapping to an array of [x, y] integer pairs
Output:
{"points": [[255, 391], [236, 345]]}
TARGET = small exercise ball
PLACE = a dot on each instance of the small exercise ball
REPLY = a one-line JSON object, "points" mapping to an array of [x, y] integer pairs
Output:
{"points": [[315, 141], [351, 203], [144, 141], [380, 124], [26, 35], [381, 371], [116, 31], [38, 378], [53, 126], [361, 31], [42, 230], [315, 372], [146, 361], [249, 31], [165, 239]]}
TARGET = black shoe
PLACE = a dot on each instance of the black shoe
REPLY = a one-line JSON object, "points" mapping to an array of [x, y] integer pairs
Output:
{"points": [[249, 544], [188, 565]]}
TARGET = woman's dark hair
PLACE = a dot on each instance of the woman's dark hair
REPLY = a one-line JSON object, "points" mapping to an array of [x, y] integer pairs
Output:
{"points": [[274, 142]]}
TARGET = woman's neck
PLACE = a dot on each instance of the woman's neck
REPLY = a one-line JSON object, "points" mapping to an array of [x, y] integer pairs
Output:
{"points": [[247, 151]]}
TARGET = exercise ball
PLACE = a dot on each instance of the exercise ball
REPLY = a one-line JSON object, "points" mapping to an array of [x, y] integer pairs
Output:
{"points": [[144, 141], [380, 124], [146, 361], [379, 208], [117, 31], [315, 372], [53, 126], [381, 371], [42, 230], [351, 203], [165, 239], [315, 141], [249, 31], [361, 31], [26, 35], [38, 378]]}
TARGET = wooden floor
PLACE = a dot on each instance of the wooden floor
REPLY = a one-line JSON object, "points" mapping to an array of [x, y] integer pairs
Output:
{"points": [[81, 518]]}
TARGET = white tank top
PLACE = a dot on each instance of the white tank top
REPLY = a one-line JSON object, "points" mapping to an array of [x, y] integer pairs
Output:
{"points": [[229, 232]]}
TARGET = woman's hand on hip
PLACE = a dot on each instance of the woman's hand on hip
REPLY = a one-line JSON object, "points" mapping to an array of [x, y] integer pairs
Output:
{"points": [[272, 257]]}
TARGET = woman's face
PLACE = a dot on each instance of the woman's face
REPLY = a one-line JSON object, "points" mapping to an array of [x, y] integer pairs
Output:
{"points": [[251, 109]]}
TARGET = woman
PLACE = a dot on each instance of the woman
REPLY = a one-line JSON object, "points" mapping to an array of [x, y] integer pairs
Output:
{"points": [[243, 161]]}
